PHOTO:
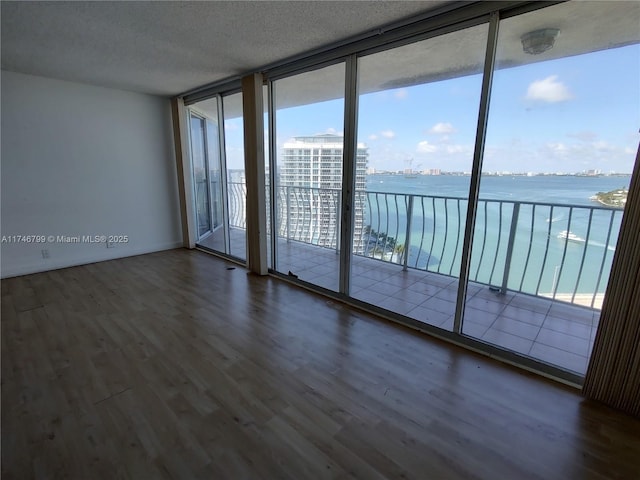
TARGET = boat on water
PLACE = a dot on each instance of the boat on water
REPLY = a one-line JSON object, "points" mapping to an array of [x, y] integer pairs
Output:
{"points": [[570, 236]]}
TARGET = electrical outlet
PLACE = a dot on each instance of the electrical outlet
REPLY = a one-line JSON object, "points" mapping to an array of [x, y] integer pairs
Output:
{"points": [[110, 244], [45, 253]]}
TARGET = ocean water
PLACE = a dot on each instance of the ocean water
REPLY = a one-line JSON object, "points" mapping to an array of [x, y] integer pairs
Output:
{"points": [[553, 189], [539, 262]]}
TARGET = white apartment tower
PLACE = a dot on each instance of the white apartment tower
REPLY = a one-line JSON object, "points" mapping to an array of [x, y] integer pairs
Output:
{"points": [[311, 181]]}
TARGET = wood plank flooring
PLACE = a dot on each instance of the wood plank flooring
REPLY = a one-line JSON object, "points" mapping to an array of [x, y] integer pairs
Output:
{"points": [[172, 365]]}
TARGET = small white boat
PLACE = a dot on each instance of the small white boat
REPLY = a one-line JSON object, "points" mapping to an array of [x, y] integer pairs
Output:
{"points": [[570, 236]]}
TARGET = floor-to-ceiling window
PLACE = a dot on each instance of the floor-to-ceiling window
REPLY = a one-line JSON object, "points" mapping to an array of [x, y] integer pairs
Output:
{"points": [[215, 175], [552, 171], [309, 117], [200, 175], [267, 172], [417, 116], [218, 169], [236, 180], [559, 152], [207, 173]]}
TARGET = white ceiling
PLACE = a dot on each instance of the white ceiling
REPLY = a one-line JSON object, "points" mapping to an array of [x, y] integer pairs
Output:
{"points": [[166, 48]]}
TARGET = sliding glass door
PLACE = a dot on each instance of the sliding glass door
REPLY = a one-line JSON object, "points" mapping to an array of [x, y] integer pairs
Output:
{"points": [[560, 148], [309, 117], [215, 176], [417, 116], [217, 156], [200, 176], [235, 175]]}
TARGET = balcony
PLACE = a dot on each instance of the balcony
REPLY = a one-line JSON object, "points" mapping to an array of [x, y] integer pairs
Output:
{"points": [[532, 290]]}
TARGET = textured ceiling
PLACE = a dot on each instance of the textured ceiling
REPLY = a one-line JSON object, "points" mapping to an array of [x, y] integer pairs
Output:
{"points": [[166, 48]]}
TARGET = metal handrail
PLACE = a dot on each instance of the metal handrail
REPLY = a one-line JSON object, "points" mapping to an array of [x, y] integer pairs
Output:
{"points": [[516, 248]]}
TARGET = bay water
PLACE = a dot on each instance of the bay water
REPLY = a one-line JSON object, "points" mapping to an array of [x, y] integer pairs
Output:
{"points": [[529, 212]]}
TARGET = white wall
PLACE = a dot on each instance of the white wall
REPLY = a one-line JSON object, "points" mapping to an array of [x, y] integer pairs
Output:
{"points": [[83, 160]]}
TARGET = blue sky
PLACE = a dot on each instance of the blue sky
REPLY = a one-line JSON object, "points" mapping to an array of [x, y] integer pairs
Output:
{"points": [[567, 115]]}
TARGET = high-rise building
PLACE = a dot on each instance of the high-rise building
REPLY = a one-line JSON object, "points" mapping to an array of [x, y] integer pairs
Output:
{"points": [[311, 181]]}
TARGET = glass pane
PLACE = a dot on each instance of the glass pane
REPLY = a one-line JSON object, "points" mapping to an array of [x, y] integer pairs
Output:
{"points": [[418, 110], [562, 128], [236, 182], [198, 160], [267, 175], [215, 173], [309, 127], [207, 112]]}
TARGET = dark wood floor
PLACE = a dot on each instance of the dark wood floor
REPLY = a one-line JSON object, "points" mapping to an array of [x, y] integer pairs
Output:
{"points": [[172, 365]]}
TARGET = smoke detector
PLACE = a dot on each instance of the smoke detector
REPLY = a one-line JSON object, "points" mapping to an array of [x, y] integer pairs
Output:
{"points": [[539, 41]]}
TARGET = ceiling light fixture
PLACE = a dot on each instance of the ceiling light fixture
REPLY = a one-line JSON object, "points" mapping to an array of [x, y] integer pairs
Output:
{"points": [[539, 41]]}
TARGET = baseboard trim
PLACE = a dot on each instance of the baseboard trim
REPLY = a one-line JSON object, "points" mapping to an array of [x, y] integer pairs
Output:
{"points": [[111, 254]]}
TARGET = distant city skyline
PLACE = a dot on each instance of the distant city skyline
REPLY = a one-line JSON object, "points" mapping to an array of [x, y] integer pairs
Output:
{"points": [[373, 171]]}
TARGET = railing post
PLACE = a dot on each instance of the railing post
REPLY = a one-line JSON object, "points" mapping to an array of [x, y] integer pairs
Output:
{"points": [[287, 193], [407, 238], [512, 236], [338, 217]]}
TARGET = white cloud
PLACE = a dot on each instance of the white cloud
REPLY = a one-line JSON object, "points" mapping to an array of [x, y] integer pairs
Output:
{"points": [[426, 147], [602, 145], [455, 149], [558, 148], [556, 156], [401, 94], [331, 130], [579, 155], [548, 90], [584, 136], [442, 128], [373, 136], [388, 133]]}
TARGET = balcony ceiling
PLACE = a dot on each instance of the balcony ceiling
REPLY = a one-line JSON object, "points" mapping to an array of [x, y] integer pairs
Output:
{"points": [[166, 48], [584, 26]]}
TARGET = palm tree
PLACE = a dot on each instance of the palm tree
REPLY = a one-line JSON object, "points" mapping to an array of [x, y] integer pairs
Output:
{"points": [[398, 251]]}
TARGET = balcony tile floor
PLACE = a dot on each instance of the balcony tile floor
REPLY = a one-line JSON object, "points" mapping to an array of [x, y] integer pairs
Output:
{"points": [[554, 332]]}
